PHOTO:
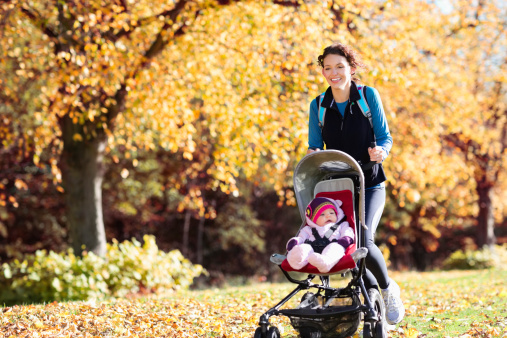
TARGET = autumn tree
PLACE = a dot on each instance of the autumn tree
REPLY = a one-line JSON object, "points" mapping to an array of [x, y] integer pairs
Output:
{"points": [[96, 63], [479, 40], [441, 73], [453, 122], [87, 56], [248, 99], [227, 88]]}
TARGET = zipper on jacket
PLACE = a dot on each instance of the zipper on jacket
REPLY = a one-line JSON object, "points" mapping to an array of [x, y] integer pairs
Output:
{"points": [[350, 110]]}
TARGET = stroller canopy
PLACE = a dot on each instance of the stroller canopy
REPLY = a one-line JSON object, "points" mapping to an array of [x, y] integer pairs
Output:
{"points": [[321, 165]]}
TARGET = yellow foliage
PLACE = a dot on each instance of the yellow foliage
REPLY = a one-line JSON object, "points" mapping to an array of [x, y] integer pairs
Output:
{"points": [[241, 78], [77, 137]]}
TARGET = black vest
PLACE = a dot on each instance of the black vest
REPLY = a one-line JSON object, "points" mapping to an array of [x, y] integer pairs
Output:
{"points": [[351, 133]]}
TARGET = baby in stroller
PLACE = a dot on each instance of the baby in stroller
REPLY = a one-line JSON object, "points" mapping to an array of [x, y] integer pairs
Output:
{"points": [[324, 238]]}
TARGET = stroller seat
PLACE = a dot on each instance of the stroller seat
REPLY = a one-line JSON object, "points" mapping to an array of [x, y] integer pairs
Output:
{"points": [[337, 189]]}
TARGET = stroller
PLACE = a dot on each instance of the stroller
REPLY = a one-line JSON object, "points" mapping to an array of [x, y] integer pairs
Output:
{"points": [[330, 312]]}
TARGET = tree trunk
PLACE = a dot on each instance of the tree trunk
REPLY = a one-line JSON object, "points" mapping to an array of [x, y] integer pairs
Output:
{"points": [[186, 230], [486, 221], [200, 234], [82, 174]]}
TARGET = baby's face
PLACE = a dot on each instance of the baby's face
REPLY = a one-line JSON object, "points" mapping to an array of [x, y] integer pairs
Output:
{"points": [[327, 216]]}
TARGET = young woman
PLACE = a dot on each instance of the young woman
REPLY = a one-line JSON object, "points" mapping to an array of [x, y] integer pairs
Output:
{"points": [[345, 128]]}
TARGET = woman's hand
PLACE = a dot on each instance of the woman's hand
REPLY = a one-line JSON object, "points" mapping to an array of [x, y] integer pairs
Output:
{"points": [[377, 154], [311, 151]]}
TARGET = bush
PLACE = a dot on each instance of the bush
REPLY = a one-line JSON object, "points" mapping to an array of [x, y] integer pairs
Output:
{"points": [[127, 268], [485, 258]]}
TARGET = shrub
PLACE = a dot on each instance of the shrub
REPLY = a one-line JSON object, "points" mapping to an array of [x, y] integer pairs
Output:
{"points": [[479, 259], [126, 268]]}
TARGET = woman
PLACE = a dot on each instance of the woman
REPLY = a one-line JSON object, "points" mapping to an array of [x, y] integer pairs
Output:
{"points": [[345, 128]]}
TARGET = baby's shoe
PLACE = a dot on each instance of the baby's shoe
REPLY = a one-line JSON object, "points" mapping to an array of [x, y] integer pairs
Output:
{"points": [[297, 257], [321, 262]]}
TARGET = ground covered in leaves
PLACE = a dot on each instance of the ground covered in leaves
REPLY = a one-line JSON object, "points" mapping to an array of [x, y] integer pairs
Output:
{"points": [[439, 304]]}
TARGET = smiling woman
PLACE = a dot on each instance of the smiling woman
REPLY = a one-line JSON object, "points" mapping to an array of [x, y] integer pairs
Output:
{"points": [[340, 119]]}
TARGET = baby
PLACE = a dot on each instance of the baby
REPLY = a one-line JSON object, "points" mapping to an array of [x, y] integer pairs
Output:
{"points": [[314, 244]]}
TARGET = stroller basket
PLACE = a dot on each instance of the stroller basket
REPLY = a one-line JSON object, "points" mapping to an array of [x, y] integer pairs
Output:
{"points": [[339, 320], [322, 327]]}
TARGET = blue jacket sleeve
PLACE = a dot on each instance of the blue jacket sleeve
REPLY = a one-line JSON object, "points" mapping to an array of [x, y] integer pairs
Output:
{"points": [[314, 132], [380, 127]]}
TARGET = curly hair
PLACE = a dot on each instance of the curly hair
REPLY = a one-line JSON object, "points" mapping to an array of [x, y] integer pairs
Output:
{"points": [[347, 52]]}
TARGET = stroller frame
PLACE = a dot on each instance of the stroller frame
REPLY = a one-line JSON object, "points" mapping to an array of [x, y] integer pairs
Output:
{"points": [[316, 311]]}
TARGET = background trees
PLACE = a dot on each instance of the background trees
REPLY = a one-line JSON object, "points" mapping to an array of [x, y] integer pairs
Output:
{"points": [[192, 114]]}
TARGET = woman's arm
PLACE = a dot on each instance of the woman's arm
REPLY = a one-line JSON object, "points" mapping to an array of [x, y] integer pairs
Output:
{"points": [[379, 120], [315, 141]]}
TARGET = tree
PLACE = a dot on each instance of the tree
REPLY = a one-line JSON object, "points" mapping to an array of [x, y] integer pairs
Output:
{"points": [[93, 61], [441, 73], [88, 56], [227, 88], [482, 138]]}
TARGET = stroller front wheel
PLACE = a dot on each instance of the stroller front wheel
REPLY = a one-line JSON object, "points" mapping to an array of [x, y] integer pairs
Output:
{"points": [[380, 331], [271, 333], [377, 328], [258, 333], [367, 330]]}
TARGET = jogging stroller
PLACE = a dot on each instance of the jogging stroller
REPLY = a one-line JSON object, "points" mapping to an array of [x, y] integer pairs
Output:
{"points": [[330, 312]]}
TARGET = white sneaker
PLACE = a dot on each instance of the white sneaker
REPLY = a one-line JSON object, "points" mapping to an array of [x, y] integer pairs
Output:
{"points": [[395, 311]]}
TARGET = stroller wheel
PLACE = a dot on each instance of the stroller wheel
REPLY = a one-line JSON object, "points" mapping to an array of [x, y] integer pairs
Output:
{"points": [[273, 332], [309, 332], [380, 331], [258, 333], [377, 328], [367, 331]]}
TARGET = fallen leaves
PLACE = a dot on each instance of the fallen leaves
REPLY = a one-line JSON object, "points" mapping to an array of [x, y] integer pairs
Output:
{"points": [[185, 317], [465, 305]]}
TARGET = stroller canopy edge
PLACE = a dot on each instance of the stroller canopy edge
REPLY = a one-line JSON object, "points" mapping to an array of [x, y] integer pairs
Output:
{"points": [[318, 166]]}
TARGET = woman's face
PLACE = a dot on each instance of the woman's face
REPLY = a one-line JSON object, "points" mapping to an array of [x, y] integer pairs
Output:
{"points": [[337, 71]]}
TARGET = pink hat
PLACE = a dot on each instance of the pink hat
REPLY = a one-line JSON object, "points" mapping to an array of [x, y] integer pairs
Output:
{"points": [[317, 207]]}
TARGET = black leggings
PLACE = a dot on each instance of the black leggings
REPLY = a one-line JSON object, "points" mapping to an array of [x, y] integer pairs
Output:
{"points": [[376, 271]]}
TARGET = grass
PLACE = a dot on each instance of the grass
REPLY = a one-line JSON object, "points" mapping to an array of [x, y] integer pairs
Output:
{"points": [[456, 303], [438, 304]]}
